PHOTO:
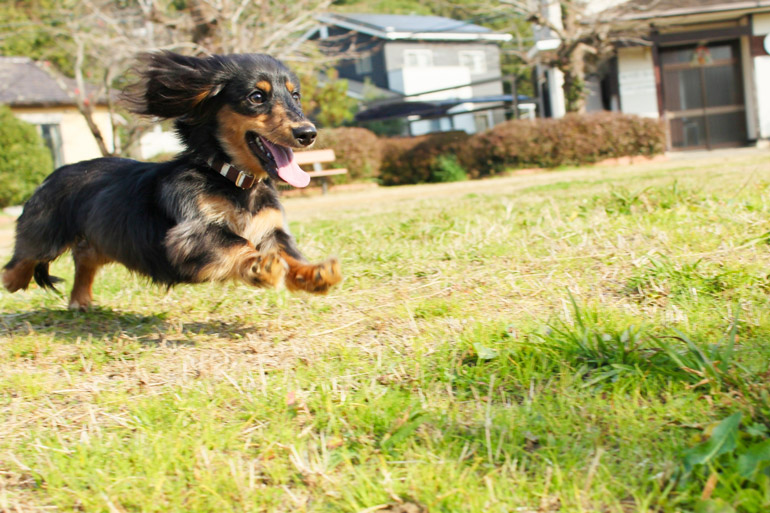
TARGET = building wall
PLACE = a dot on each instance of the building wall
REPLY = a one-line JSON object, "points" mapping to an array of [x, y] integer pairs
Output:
{"points": [[159, 142], [636, 79], [449, 55], [761, 27], [412, 81], [447, 69], [386, 67], [555, 83], [749, 89], [77, 141]]}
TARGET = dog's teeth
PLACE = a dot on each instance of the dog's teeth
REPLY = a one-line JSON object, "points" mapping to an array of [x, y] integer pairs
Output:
{"points": [[264, 150]]}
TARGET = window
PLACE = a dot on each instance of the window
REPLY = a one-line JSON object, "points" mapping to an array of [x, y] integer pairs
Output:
{"points": [[418, 58], [364, 65], [51, 134], [474, 60], [482, 121]]}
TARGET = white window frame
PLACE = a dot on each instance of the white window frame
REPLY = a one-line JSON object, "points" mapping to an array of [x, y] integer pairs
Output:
{"points": [[364, 65], [474, 60], [418, 58]]}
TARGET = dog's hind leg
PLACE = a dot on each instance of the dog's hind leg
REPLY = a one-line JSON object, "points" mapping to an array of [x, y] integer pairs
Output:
{"points": [[87, 262], [18, 274], [40, 239]]}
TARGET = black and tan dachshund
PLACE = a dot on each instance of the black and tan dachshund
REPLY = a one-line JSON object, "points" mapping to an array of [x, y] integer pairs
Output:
{"points": [[211, 214]]}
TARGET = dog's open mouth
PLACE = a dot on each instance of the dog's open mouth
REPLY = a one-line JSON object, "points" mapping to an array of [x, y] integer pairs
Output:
{"points": [[277, 160]]}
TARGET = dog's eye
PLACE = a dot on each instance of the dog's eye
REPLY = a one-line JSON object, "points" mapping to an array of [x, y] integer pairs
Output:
{"points": [[257, 97], [296, 96]]}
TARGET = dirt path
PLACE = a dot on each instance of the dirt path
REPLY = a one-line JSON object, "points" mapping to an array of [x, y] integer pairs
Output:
{"points": [[383, 199], [375, 199], [388, 198]]}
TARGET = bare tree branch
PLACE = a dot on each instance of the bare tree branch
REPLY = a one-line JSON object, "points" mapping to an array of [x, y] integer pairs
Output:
{"points": [[104, 36], [585, 37]]}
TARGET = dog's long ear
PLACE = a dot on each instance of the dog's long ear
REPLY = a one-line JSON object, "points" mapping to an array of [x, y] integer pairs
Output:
{"points": [[172, 85]]}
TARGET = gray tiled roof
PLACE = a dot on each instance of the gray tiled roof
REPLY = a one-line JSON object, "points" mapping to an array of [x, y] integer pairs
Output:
{"points": [[654, 8], [410, 23], [23, 83]]}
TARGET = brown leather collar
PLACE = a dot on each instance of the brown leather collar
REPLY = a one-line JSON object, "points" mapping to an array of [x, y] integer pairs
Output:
{"points": [[240, 178]]}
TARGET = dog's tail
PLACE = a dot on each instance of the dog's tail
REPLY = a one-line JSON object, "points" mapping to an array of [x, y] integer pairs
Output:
{"points": [[44, 279]]}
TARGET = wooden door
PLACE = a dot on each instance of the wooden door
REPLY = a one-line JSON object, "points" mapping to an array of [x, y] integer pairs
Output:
{"points": [[703, 95]]}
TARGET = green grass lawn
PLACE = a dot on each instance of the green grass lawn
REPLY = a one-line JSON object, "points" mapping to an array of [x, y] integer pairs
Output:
{"points": [[584, 340]]}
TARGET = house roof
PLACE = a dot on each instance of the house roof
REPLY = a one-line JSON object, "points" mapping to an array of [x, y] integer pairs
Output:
{"points": [[412, 27], [646, 9], [25, 83], [433, 108]]}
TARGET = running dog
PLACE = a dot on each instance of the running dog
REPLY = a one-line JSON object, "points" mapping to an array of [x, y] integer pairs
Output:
{"points": [[211, 214]]}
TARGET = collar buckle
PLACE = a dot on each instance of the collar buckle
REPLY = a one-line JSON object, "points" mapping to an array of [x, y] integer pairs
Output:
{"points": [[241, 179], [244, 177]]}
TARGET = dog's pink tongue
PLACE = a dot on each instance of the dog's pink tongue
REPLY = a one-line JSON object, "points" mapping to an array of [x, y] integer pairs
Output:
{"points": [[288, 169]]}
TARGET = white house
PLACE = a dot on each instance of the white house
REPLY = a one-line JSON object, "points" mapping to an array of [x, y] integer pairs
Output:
{"points": [[449, 69], [35, 96]]}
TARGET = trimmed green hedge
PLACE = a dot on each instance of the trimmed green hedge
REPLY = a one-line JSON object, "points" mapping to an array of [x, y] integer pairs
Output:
{"points": [[419, 159], [356, 149], [548, 143], [572, 140], [24, 159], [449, 156]]}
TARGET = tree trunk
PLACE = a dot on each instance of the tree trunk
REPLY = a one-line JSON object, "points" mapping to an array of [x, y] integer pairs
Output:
{"points": [[83, 102], [83, 105], [573, 67]]}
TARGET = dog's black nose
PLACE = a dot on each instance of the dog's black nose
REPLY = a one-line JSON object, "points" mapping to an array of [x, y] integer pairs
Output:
{"points": [[305, 134]]}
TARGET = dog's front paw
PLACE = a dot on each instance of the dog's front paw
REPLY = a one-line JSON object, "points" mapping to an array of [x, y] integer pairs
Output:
{"points": [[265, 270], [316, 278]]}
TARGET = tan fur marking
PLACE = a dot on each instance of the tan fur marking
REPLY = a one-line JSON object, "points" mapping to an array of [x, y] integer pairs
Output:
{"points": [[87, 263], [246, 264], [265, 86], [278, 127], [231, 264], [315, 278], [261, 224], [232, 134], [253, 228], [290, 87], [201, 96], [219, 210], [19, 276]]}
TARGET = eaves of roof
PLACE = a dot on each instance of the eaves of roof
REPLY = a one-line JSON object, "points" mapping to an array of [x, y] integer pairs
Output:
{"points": [[393, 35], [697, 8]]}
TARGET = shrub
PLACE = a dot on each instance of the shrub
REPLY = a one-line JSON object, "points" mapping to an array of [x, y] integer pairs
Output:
{"points": [[24, 159], [356, 149], [394, 151], [447, 169], [572, 140], [415, 159]]}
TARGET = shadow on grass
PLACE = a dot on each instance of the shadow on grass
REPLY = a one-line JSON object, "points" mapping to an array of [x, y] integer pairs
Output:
{"points": [[99, 323]]}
